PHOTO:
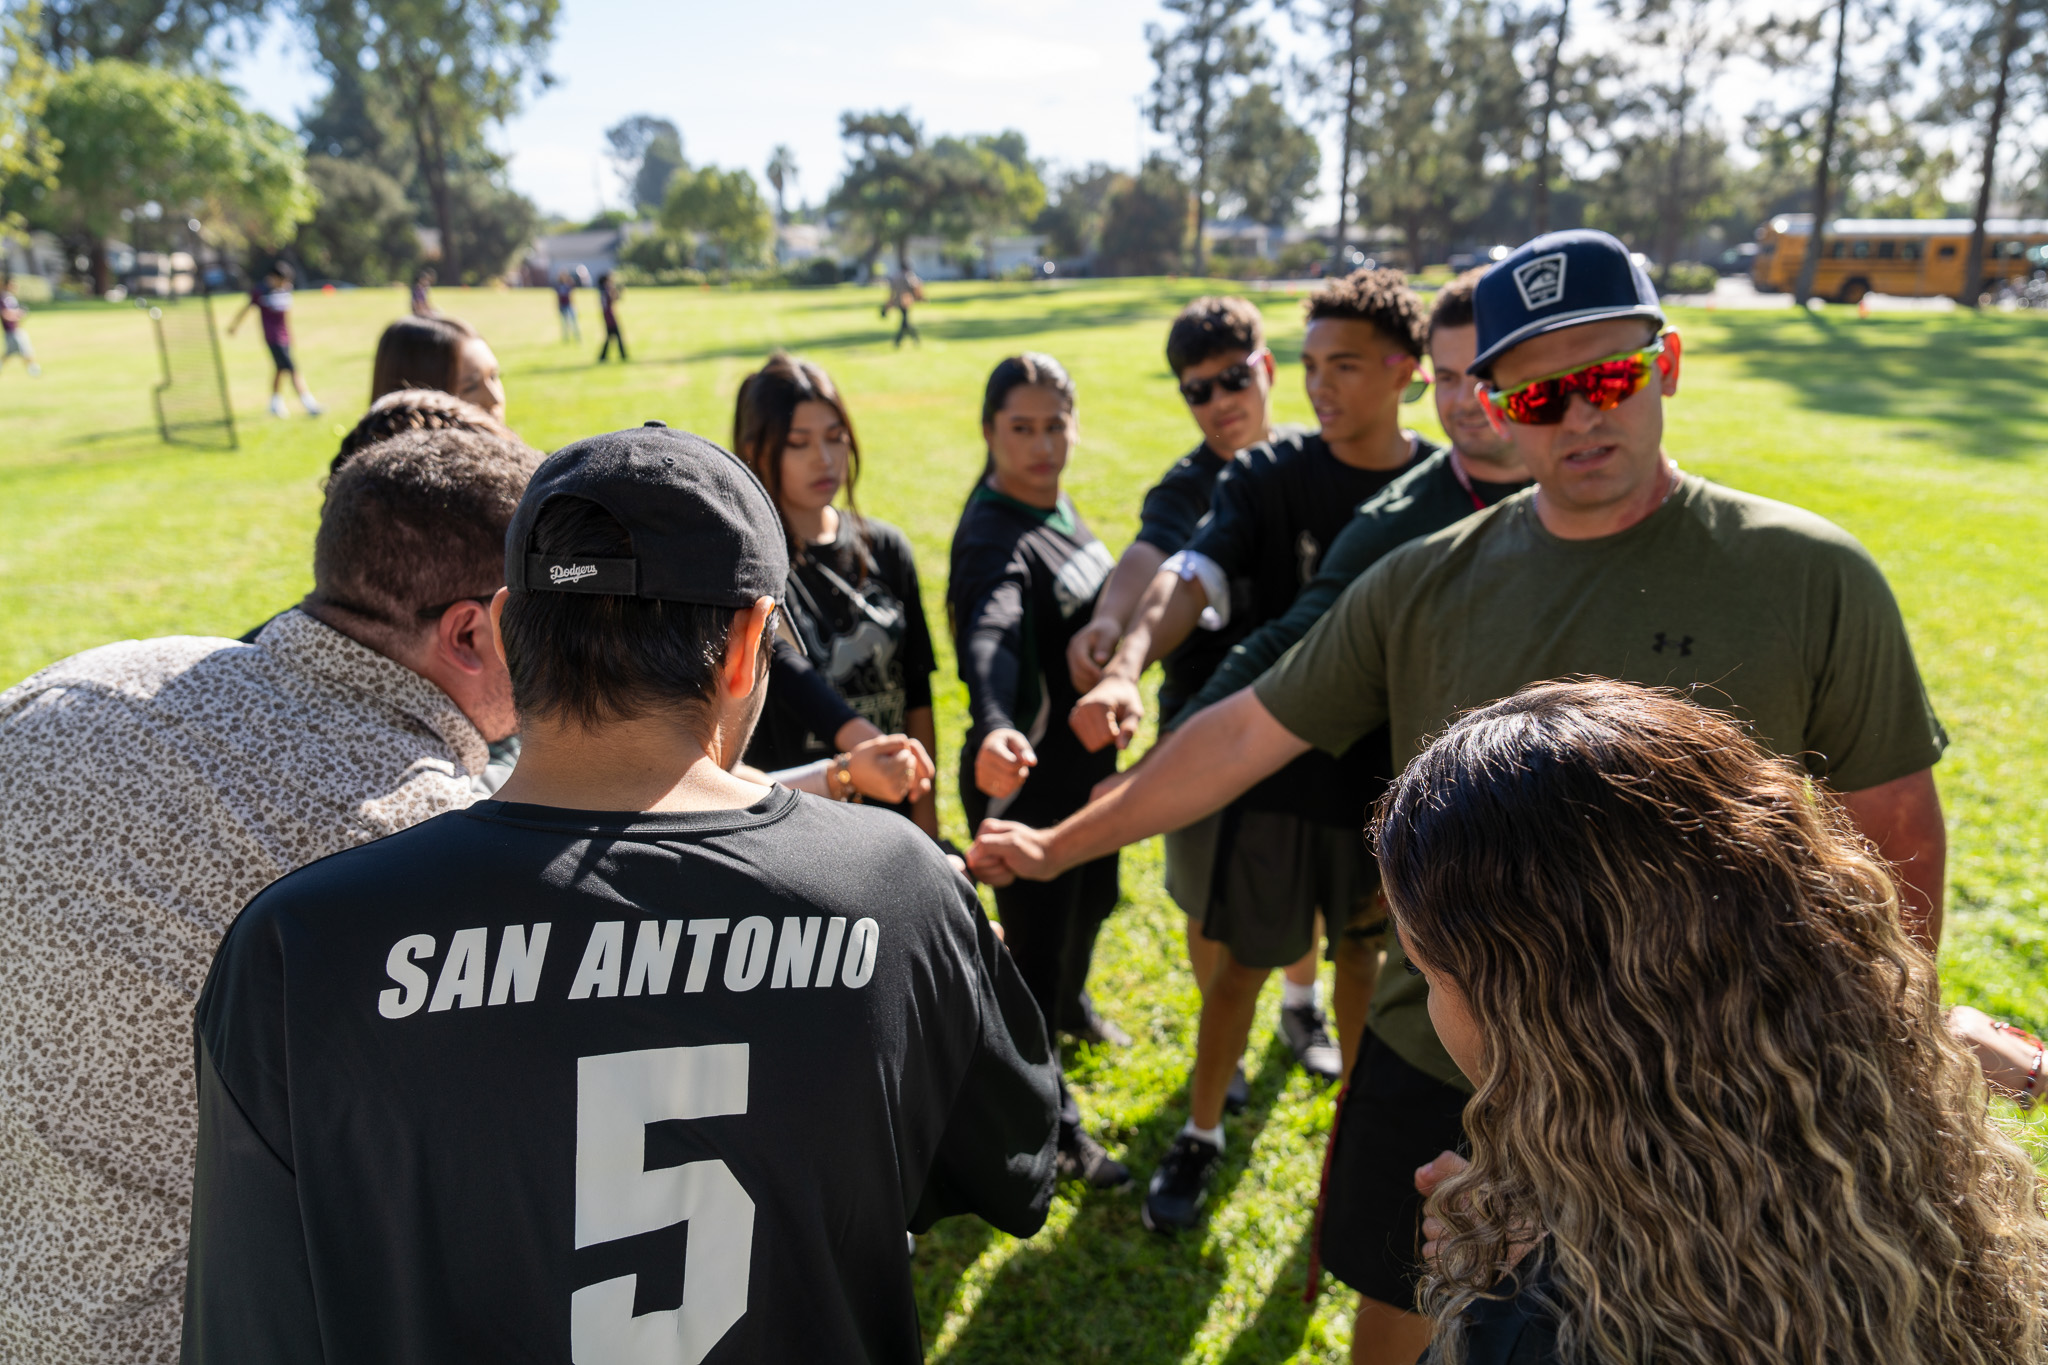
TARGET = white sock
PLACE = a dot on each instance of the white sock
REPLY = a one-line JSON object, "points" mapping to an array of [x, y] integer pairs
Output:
{"points": [[1212, 1136], [1293, 997]]}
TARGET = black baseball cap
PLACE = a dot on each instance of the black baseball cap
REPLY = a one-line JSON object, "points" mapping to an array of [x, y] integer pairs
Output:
{"points": [[1558, 280], [704, 529]]}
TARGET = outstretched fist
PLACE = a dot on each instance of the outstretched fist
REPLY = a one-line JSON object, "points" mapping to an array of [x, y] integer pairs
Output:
{"points": [[1003, 762], [1108, 714], [1004, 850]]}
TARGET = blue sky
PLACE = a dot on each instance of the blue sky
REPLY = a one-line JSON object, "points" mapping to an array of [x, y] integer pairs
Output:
{"points": [[738, 77]]}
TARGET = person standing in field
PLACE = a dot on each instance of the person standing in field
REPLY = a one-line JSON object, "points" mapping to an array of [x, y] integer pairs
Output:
{"points": [[153, 787], [12, 315], [565, 308], [273, 304], [1615, 564], [1217, 351], [905, 288], [608, 291], [1290, 851], [715, 1047], [1025, 571], [852, 616], [422, 281]]}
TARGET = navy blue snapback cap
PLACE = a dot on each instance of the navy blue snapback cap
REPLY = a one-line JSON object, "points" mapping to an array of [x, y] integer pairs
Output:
{"points": [[704, 529], [1561, 279]]}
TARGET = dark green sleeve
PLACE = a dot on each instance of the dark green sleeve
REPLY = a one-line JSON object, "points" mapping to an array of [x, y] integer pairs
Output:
{"points": [[1871, 720]]}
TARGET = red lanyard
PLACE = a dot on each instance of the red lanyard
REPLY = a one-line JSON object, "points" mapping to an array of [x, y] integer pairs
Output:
{"points": [[1465, 480]]}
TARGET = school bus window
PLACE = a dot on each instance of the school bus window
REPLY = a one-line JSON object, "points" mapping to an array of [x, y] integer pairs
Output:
{"points": [[1947, 252], [1909, 251], [1860, 250], [1838, 248], [1885, 250], [2012, 250]]}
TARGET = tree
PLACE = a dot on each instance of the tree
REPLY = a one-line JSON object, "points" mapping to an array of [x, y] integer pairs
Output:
{"points": [[994, 186], [781, 175], [494, 225], [175, 33], [648, 152], [28, 155], [1199, 64], [448, 68], [362, 230], [1268, 163], [1145, 225], [1075, 208], [1993, 46], [724, 208], [897, 186], [137, 135]]}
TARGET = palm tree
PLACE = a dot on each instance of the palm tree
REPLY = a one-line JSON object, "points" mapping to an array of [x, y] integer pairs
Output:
{"points": [[781, 174]]}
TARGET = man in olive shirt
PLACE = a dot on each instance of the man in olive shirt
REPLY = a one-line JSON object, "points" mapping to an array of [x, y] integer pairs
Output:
{"points": [[1616, 564]]}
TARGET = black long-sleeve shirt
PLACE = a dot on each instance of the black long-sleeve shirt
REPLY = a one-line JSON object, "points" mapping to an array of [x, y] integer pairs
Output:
{"points": [[528, 1084], [1023, 581]]}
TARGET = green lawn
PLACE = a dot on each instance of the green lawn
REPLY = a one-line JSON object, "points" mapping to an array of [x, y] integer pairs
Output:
{"points": [[1917, 432]]}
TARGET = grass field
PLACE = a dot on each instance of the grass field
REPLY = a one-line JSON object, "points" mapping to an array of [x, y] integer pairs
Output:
{"points": [[1918, 433]]}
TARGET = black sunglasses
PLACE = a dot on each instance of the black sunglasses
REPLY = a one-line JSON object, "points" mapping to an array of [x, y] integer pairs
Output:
{"points": [[1235, 379]]}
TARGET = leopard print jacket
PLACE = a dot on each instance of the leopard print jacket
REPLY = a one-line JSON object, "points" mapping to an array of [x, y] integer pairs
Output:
{"points": [[147, 791]]}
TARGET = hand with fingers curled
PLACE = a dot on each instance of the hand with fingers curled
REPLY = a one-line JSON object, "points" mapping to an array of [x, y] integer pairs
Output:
{"points": [[1004, 850], [1108, 713], [890, 768], [1002, 763], [1091, 648], [1430, 1177]]}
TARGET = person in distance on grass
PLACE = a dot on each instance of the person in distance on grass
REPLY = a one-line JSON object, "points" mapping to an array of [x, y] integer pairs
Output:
{"points": [[1025, 570], [853, 656], [565, 308], [1615, 563], [422, 302], [12, 315], [438, 352], [1718, 1119], [273, 303], [153, 786], [1216, 349], [608, 292], [1292, 846], [643, 1061]]}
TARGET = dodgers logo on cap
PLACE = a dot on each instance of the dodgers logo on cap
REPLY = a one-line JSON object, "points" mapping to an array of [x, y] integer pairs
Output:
{"points": [[1541, 281]]}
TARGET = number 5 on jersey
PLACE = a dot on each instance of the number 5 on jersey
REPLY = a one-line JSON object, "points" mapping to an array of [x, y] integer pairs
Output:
{"points": [[617, 1096]]}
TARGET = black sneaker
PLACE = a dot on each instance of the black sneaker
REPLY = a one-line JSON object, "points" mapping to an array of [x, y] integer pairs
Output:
{"points": [[1093, 1028], [1239, 1095], [1181, 1184], [1309, 1036], [1083, 1158]]}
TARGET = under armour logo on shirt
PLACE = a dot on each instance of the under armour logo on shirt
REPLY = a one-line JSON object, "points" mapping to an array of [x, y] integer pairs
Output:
{"points": [[1664, 642]]}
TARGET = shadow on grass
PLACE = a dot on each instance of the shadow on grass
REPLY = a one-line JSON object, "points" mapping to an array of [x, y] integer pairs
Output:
{"points": [[1275, 1332], [1971, 381], [1109, 1290]]}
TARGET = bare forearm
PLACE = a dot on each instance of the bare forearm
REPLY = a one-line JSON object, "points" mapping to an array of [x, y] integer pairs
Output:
{"points": [[1903, 819], [924, 812], [1126, 587], [1204, 766], [1168, 615]]}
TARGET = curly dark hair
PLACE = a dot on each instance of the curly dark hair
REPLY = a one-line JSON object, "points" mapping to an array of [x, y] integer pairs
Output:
{"points": [[1211, 326], [1381, 297], [415, 410]]}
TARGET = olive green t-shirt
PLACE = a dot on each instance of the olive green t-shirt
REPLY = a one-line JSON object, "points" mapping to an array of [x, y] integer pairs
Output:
{"points": [[1769, 613]]}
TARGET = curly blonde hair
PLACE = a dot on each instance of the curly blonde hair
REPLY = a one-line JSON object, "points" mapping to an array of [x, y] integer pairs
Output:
{"points": [[1714, 1076]]}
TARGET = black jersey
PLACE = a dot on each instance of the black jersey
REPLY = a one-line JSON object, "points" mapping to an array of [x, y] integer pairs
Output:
{"points": [[858, 624], [1023, 580], [1275, 510], [528, 1084]]}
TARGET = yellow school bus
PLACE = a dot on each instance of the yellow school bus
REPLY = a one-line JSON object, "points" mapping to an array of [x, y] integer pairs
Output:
{"points": [[1914, 257]]}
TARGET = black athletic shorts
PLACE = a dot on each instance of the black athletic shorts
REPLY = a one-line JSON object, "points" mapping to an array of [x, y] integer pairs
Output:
{"points": [[1394, 1118], [1273, 871], [281, 356]]}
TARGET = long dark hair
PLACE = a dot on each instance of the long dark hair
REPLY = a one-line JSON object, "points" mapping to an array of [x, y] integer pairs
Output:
{"points": [[1029, 369], [1714, 1074], [419, 353], [767, 404]]}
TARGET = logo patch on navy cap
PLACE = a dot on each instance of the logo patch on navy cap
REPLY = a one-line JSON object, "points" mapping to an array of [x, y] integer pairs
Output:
{"points": [[1540, 282]]}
